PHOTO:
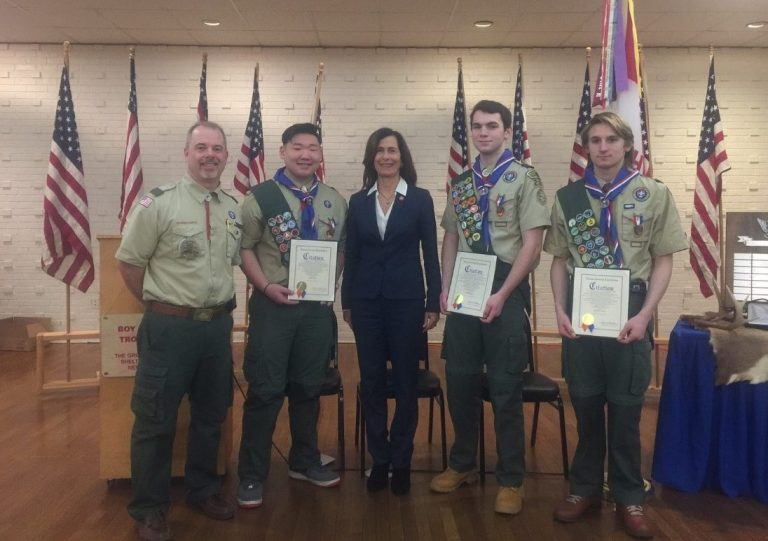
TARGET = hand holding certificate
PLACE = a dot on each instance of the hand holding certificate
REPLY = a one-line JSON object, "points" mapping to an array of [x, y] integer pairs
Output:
{"points": [[471, 283], [600, 301], [312, 270]]}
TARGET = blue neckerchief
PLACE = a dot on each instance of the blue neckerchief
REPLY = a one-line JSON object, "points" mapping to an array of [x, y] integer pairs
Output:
{"points": [[307, 230], [483, 185], [608, 228]]}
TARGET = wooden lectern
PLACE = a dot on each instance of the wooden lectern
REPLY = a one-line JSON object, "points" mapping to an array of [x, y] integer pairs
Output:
{"points": [[115, 416]]}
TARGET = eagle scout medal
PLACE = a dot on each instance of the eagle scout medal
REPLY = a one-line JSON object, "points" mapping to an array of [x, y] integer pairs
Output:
{"points": [[499, 205], [330, 227], [637, 220]]}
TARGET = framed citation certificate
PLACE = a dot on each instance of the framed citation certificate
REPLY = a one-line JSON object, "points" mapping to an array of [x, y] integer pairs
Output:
{"points": [[600, 301], [312, 270], [471, 283]]}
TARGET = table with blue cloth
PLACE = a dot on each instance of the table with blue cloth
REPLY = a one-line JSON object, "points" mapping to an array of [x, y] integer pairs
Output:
{"points": [[709, 436]]}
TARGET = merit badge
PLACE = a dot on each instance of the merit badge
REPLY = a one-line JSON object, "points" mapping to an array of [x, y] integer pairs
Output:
{"points": [[291, 224], [591, 222], [510, 176], [286, 215], [588, 213], [640, 194], [283, 247], [476, 237], [600, 241], [146, 201], [571, 222], [271, 222], [327, 204]]}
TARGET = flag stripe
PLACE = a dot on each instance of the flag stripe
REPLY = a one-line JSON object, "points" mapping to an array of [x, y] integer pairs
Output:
{"points": [[133, 176], [520, 148], [250, 165], [458, 154]]}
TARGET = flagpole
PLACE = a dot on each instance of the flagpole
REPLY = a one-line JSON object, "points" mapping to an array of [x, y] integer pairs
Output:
{"points": [[460, 65], [318, 87], [68, 303]]}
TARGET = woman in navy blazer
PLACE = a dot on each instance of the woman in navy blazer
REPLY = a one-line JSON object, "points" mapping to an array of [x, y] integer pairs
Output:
{"points": [[383, 296]]}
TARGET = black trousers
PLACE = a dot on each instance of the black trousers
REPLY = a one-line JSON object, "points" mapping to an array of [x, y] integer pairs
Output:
{"points": [[389, 329]]}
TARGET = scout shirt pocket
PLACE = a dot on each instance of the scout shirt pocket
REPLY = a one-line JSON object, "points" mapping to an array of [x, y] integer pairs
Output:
{"points": [[189, 239], [636, 225], [234, 235]]}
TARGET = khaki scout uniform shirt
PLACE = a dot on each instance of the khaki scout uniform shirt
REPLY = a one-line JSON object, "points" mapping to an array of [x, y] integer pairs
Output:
{"points": [[257, 235], [167, 235], [525, 207], [661, 232]]}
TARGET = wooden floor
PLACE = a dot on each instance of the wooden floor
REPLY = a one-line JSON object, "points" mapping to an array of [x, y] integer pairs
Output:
{"points": [[51, 490]]}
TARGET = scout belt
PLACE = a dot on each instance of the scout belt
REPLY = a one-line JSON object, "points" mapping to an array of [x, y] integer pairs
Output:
{"points": [[188, 312]]}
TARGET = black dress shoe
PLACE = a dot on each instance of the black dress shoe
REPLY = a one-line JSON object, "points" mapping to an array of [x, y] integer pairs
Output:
{"points": [[378, 479], [401, 481]]}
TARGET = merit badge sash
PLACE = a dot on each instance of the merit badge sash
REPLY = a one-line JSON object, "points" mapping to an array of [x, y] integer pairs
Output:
{"points": [[281, 222], [594, 251], [465, 200]]}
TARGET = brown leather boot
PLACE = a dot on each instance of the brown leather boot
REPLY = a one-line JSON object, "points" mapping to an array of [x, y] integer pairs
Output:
{"points": [[635, 523], [572, 507]]}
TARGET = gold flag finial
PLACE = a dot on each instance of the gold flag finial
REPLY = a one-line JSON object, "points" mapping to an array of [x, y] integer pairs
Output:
{"points": [[67, 46], [589, 53], [711, 52], [131, 52]]}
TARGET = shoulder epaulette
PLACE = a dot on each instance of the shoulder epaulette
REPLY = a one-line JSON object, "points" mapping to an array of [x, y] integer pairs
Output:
{"points": [[231, 197], [160, 190], [518, 162]]}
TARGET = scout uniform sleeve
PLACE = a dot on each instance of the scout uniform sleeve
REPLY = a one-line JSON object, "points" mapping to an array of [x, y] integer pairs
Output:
{"points": [[253, 223], [533, 211], [141, 233], [668, 236], [449, 221], [556, 241]]}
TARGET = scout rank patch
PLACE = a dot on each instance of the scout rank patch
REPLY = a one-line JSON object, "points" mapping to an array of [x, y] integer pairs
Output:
{"points": [[467, 211], [594, 252], [283, 228]]}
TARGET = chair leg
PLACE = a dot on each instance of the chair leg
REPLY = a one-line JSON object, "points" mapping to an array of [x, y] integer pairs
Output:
{"points": [[340, 403], [535, 424], [431, 413], [481, 441], [443, 447], [563, 439]]}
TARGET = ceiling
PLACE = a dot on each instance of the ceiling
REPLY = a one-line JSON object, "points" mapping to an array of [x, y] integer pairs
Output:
{"points": [[376, 23]]}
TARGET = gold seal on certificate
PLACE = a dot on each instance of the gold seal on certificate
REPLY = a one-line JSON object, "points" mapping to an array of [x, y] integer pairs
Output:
{"points": [[600, 301], [471, 283], [312, 270]]}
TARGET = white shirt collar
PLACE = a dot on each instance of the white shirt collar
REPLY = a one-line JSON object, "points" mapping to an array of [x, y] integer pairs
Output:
{"points": [[402, 188]]}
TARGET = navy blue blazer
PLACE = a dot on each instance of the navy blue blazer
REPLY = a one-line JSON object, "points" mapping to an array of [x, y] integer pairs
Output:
{"points": [[391, 267]]}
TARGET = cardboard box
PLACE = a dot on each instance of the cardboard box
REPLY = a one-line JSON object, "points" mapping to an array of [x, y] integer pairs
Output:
{"points": [[18, 333]]}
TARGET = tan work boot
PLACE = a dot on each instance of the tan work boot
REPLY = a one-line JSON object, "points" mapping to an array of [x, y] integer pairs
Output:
{"points": [[509, 500], [450, 480]]}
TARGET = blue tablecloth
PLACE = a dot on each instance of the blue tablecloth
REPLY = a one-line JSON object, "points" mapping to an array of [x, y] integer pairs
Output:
{"points": [[708, 436]]}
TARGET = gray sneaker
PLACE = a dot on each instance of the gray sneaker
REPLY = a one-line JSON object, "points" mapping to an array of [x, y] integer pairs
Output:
{"points": [[317, 475], [249, 494]]}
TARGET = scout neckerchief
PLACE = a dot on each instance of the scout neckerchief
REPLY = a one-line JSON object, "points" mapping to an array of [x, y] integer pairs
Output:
{"points": [[608, 227], [306, 197], [278, 216], [485, 180]]}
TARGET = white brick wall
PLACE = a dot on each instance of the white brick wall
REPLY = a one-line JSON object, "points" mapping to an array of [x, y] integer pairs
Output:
{"points": [[411, 90]]}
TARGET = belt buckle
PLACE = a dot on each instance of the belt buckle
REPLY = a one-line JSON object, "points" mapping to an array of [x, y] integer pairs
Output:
{"points": [[203, 314]]}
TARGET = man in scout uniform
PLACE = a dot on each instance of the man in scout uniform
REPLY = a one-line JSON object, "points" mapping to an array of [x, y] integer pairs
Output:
{"points": [[499, 208], [288, 341], [612, 218], [176, 256]]}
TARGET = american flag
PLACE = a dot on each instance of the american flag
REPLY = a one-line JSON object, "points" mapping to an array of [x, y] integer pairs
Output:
{"points": [[202, 101], [67, 252], [579, 156], [250, 166], [133, 179], [318, 121], [711, 164], [646, 165], [520, 148], [458, 156]]}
